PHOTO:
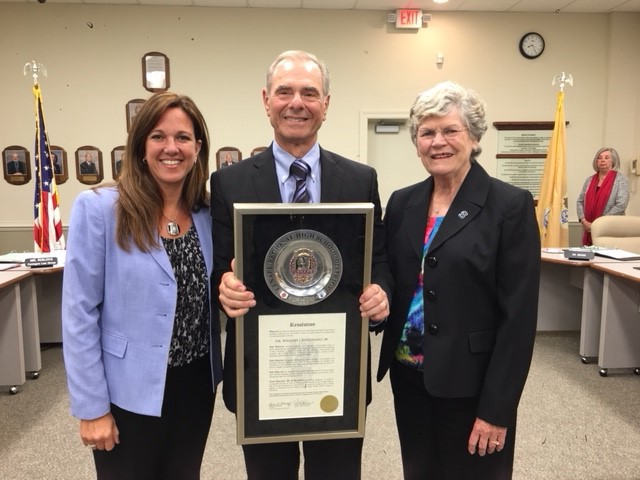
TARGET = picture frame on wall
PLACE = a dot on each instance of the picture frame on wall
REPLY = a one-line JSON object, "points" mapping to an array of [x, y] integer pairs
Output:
{"points": [[227, 156], [16, 165], [155, 72], [257, 150], [59, 162], [132, 108], [89, 165], [117, 156]]}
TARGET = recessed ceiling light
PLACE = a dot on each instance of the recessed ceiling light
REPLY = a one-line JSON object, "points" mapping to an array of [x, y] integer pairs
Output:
{"points": [[440, 1]]}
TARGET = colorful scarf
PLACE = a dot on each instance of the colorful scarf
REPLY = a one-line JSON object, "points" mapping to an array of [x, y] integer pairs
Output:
{"points": [[595, 200]]}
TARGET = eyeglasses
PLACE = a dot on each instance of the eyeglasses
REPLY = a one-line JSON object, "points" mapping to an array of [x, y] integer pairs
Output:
{"points": [[448, 132]]}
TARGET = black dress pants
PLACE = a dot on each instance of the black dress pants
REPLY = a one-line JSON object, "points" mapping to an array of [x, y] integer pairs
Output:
{"points": [[168, 447], [434, 433], [323, 460]]}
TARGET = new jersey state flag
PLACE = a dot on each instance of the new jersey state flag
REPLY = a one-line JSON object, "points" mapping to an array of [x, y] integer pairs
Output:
{"points": [[552, 209], [47, 226]]}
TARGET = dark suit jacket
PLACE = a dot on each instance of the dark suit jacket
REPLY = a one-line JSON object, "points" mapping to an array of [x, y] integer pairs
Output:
{"points": [[88, 168], [481, 279], [16, 167], [254, 180]]}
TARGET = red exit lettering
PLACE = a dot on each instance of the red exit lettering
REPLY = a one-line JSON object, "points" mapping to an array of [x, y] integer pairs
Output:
{"points": [[408, 18]]}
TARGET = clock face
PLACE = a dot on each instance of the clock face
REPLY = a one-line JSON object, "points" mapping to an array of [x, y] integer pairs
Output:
{"points": [[532, 45]]}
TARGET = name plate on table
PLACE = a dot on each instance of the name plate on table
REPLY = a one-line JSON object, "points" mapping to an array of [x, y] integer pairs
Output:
{"points": [[40, 262], [581, 254], [302, 350]]}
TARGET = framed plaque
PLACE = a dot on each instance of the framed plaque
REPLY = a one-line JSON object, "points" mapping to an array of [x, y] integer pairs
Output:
{"points": [[59, 162], [227, 156], [16, 165], [155, 72], [302, 350], [89, 165], [132, 108], [117, 155], [257, 150]]}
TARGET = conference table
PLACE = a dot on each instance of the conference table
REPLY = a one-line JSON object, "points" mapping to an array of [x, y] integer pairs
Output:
{"points": [[30, 302], [19, 330], [48, 291], [619, 342], [600, 298], [576, 295]]}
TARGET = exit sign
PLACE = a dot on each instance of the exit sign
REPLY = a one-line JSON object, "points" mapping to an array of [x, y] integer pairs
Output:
{"points": [[408, 18]]}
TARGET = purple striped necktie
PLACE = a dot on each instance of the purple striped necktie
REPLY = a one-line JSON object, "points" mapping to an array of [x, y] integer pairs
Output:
{"points": [[300, 169]]}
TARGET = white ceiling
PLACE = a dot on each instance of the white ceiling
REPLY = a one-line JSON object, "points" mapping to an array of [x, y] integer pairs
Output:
{"points": [[543, 6]]}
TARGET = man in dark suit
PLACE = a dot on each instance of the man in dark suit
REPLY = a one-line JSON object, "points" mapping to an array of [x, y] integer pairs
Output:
{"points": [[296, 99], [15, 166], [57, 168], [88, 167]]}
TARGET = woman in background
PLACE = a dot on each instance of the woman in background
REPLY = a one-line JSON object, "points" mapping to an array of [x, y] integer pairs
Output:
{"points": [[605, 193], [141, 355], [464, 250]]}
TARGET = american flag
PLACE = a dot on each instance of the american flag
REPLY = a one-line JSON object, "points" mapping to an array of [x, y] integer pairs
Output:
{"points": [[47, 226]]}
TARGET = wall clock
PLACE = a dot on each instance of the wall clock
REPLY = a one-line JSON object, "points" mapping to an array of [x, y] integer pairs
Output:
{"points": [[531, 45]]}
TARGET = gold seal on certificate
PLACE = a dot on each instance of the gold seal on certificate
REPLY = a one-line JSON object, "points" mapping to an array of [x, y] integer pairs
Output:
{"points": [[329, 403], [303, 267]]}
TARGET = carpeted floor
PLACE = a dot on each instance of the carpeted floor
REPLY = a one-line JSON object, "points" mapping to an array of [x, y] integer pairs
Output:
{"points": [[573, 424]]}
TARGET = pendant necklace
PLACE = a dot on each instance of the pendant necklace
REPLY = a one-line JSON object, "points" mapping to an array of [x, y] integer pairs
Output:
{"points": [[173, 228]]}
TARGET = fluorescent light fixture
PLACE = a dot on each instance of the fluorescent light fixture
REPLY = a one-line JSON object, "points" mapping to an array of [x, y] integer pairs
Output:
{"points": [[440, 1]]}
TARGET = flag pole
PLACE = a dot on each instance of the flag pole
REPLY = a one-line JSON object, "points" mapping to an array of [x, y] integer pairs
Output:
{"points": [[47, 227], [562, 79], [552, 210], [34, 68]]}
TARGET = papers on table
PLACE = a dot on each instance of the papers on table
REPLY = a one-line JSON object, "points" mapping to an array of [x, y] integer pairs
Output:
{"points": [[616, 254], [8, 265]]}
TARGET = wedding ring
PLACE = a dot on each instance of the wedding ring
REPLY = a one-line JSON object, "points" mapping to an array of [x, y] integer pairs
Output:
{"points": [[496, 443], [92, 447]]}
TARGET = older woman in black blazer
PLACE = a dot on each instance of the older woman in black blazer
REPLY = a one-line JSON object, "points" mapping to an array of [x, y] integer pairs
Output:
{"points": [[465, 252]]}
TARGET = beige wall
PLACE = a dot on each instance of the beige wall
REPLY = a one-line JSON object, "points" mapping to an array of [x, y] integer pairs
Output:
{"points": [[219, 57]]}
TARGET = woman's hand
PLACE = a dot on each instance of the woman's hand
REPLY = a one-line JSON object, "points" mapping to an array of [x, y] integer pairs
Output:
{"points": [[100, 433], [486, 438]]}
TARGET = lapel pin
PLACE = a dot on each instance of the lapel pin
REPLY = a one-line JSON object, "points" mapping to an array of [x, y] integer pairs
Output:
{"points": [[463, 214]]}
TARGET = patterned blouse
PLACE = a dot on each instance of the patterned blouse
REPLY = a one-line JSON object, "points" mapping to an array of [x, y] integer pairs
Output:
{"points": [[190, 339], [410, 349]]}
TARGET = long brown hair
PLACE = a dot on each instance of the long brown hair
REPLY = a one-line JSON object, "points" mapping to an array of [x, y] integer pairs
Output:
{"points": [[140, 200]]}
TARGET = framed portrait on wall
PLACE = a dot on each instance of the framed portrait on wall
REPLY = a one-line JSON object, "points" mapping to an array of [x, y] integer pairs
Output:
{"points": [[89, 165], [59, 162], [16, 165], [257, 150], [155, 72], [132, 108], [227, 156], [117, 156]]}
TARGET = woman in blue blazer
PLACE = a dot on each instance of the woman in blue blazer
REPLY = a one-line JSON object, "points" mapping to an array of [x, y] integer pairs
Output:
{"points": [[142, 356], [464, 251]]}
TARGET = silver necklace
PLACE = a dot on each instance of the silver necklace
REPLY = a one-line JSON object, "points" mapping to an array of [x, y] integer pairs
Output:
{"points": [[173, 228]]}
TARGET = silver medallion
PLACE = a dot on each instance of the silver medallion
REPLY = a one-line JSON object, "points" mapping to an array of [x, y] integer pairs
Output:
{"points": [[303, 267], [173, 229]]}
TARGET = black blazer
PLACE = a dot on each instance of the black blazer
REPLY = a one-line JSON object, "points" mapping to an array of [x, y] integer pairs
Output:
{"points": [[481, 280], [254, 180]]}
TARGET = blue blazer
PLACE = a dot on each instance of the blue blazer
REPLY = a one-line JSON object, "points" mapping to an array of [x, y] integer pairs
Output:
{"points": [[117, 312]]}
